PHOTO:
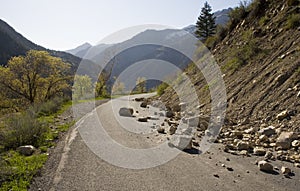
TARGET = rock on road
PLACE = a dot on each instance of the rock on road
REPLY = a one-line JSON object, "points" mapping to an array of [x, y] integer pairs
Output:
{"points": [[74, 166]]}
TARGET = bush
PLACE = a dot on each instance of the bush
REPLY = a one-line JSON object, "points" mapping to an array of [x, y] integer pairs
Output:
{"points": [[293, 21], [49, 107], [161, 88], [237, 14], [233, 64], [257, 8], [23, 129], [293, 2]]}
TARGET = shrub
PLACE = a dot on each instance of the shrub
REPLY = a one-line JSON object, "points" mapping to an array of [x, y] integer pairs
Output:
{"points": [[257, 8], [161, 88], [293, 2], [237, 14], [23, 129], [49, 107], [293, 21], [233, 64]]}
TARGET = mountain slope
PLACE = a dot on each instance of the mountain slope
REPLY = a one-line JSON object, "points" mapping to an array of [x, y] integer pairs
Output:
{"points": [[260, 61], [80, 48]]}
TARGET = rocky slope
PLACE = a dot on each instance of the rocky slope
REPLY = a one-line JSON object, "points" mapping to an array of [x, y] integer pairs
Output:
{"points": [[260, 61]]}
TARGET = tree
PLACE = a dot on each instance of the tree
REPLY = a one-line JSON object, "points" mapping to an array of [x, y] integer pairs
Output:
{"points": [[35, 77], [140, 85], [82, 87], [118, 87], [206, 25], [100, 86]]}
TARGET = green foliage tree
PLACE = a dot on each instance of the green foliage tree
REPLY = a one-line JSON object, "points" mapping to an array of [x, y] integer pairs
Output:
{"points": [[206, 25], [35, 77], [82, 87], [140, 85], [118, 87], [100, 87]]}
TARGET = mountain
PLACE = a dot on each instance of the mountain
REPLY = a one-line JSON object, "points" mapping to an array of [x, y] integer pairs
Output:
{"points": [[80, 48], [13, 43]]}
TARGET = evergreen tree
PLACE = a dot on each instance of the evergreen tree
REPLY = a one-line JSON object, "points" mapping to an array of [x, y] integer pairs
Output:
{"points": [[206, 25]]}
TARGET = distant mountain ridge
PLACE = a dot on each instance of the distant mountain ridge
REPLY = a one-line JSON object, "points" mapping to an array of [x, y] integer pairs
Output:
{"points": [[13, 43]]}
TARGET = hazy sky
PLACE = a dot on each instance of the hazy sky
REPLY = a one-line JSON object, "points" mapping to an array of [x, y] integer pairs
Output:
{"points": [[65, 24]]}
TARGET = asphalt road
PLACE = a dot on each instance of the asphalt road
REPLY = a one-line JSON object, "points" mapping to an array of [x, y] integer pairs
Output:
{"points": [[85, 160]]}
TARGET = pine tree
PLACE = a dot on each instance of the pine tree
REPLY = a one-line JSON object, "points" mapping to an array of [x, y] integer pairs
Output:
{"points": [[206, 25]]}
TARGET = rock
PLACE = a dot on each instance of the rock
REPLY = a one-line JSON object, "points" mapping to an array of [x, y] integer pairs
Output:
{"points": [[195, 143], [269, 155], [282, 115], [265, 166], [242, 145], [26, 150], [172, 129], [139, 99], [259, 151], [285, 139], [297, 165], [263, 138], [198, 121], [229, 169], [286, 170], [142, 119], [268, 131], [298, 95], [143, 104], [170, 114], [216, 175], [296, 143], [181, 141], [126, 112], [160, 130]]}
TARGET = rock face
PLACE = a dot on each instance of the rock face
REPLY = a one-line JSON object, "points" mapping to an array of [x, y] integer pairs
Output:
{"points": [[265, 166], [285, 139], [26, 150], [126, 112]]}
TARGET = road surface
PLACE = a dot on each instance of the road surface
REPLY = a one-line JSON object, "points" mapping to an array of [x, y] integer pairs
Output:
{"points": [[74, 166]]}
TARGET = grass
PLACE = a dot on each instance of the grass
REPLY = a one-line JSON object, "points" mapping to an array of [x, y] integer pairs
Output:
{"points": [[293, 21], [17, 170]]}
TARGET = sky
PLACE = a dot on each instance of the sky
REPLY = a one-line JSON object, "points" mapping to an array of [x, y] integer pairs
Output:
{"points": [[66, 24]]}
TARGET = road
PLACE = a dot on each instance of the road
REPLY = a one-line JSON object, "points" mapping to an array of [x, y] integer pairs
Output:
{"points": [[73, 165]]}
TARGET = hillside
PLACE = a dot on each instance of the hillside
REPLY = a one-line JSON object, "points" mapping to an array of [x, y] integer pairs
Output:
{"points": [[260, 61]]}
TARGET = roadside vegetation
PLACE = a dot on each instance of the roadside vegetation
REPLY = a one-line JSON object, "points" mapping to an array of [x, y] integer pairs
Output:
{"points": [[35, 90]]}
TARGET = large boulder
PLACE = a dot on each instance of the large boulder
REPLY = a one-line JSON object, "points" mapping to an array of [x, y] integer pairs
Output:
{"points": [[265, 166], [268, 131], [126, 112], [285, 139], [181, 141], [26, 150]]}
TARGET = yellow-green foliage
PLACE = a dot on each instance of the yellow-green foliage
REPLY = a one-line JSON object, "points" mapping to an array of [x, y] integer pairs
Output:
{"points": [[161, 88], [293, 21], [18, 171]]}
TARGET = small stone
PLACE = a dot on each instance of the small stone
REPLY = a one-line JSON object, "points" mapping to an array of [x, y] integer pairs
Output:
{"points": [[265, 166], [26, 150], [242, 145], [263, 138], [259, 151], [228, 159], [170, 114], [298, 95], [269, 155], [181, 141], [297, 165], [286, 170], [160, 130], [172, 129], [230, 169], [223, 165], [296, 143], [142, 119], [216, 175], [282, 115], [195, 143], [268, 131], [144, 104]]}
